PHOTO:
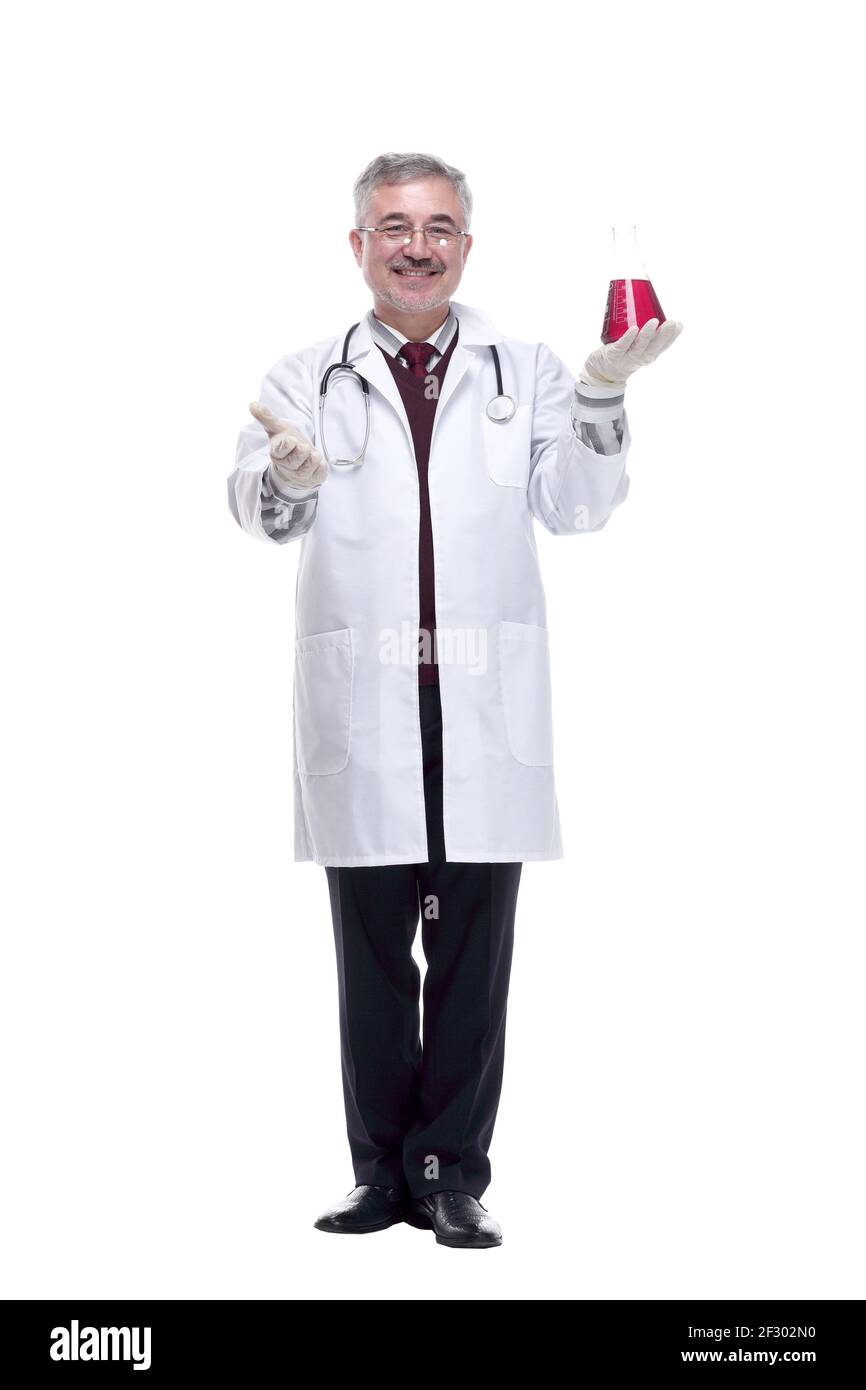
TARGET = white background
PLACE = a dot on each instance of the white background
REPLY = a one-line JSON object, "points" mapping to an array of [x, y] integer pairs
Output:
{"points": [[682, 1109]]}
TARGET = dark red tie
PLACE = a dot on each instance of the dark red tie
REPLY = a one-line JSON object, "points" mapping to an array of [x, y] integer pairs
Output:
{"points": [[416, 354]]}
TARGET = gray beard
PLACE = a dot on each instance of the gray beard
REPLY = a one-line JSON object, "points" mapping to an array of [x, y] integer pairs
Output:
{"points": [[408, 306]]}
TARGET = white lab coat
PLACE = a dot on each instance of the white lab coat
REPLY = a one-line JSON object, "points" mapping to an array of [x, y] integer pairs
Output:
{"points": [[357, 758]]}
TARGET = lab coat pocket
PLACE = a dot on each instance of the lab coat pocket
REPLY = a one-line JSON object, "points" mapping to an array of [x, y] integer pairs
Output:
{"points": [[508, 447], [324, 670], [524, 664]]}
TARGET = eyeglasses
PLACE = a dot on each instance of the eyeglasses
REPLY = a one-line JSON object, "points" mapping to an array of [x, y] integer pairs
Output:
{"points": [[435, 234]]}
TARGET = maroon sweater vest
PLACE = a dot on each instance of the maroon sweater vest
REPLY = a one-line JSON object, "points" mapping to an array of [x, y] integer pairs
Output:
{"points": [[421, 411]]}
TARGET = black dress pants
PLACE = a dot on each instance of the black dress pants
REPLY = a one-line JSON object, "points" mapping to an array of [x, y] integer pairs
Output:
{"points": [[421, 1117]]}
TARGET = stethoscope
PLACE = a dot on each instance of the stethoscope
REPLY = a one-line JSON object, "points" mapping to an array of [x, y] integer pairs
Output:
{"points": [[500, 409]]}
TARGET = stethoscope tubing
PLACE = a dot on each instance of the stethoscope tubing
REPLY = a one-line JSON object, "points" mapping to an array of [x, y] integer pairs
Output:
{"points": [[502, 406]]}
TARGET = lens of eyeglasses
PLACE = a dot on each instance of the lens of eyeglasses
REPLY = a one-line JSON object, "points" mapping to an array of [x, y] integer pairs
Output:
{"points": [[433, 234]]}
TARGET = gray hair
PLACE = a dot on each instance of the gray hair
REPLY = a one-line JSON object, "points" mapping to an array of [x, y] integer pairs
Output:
{"points": [[405, 168]]}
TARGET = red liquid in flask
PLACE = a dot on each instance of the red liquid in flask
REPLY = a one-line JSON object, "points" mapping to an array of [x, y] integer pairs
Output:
{"points": [[629, 302]]}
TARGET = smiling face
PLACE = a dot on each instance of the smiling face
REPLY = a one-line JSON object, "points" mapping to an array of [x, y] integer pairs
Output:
{"points": [[413, 279]]}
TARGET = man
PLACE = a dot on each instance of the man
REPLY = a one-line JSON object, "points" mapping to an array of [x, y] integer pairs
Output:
{"points": [[423, 759]]}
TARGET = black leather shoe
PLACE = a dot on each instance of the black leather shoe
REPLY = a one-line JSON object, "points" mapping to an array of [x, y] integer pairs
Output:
{"points": [[366, 1208], [458, 1220]]}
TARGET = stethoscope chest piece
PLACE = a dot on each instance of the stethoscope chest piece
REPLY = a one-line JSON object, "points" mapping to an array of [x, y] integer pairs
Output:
{"points": [[501, 409]]}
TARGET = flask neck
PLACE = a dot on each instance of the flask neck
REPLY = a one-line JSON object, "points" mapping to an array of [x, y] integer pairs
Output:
{"points": [[626, 260]]}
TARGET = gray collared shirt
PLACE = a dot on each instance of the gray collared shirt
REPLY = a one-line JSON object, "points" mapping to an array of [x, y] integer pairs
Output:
{"points": [[390, 340]]}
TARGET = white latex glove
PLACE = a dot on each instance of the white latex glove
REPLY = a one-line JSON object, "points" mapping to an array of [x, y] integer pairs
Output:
{"points": [[293, 457], [613, 363]]}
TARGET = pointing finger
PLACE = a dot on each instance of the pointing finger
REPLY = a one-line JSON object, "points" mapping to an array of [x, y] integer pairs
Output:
{"points": [[273, 425]]}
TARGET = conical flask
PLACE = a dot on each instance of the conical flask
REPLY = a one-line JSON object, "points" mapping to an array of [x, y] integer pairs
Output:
{"points": [[631, 298]]}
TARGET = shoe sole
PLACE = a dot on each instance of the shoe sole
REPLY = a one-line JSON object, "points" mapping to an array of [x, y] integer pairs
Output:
{"points": [[411, 1218], [469, 1244], [359, 1230]]}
